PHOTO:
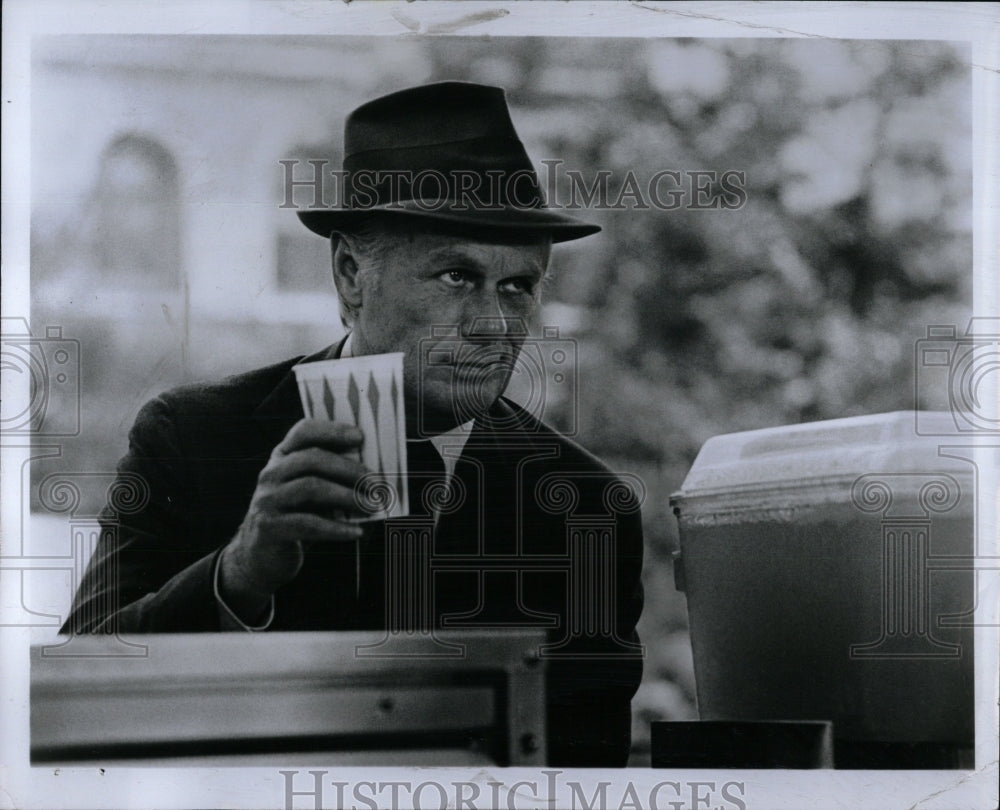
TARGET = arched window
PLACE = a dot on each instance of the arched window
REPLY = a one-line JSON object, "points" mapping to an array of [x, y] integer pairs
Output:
{"points": [[136, 214]]}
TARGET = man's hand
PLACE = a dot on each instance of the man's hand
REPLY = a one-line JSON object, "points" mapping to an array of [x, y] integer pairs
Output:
{"points": [[303, 496]]}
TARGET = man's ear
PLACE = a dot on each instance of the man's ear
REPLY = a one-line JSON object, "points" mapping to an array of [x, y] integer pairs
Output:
{"points": [[346, 272]]}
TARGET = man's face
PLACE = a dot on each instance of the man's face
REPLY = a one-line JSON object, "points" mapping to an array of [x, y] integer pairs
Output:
{"points": [[458, 309]]}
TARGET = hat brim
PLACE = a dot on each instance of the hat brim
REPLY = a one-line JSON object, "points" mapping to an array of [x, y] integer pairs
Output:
{"points": [[530, 221]]}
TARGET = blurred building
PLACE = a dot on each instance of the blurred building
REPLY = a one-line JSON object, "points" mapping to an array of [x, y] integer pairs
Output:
{"points": [[159, 239], [157, 186]]}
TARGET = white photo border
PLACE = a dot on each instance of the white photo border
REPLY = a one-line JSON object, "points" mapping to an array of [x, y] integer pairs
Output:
{"points": [[45, 787]]}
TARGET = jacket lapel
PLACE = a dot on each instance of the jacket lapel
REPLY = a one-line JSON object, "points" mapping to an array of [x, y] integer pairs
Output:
{"points": [[282, 408], [497, 508]]}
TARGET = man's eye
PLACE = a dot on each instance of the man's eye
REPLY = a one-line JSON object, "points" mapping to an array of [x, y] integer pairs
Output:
{"points": [[524, 286], [454, 278]]}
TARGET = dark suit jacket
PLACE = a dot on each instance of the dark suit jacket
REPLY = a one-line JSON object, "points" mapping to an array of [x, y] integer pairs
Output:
{"points": [[200, 449]]}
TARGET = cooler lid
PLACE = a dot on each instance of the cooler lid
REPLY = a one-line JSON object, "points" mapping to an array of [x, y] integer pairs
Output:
{"points": [[827, 454]]}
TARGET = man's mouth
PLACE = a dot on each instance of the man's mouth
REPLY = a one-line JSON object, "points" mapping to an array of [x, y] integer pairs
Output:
{"points": [[477, 361]]}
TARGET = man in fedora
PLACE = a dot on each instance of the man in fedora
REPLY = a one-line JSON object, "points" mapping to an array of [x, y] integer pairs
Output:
{"points": [[442, 231]]}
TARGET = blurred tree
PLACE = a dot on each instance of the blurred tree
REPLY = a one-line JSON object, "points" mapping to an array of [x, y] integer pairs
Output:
{"points": [[801, 305]]}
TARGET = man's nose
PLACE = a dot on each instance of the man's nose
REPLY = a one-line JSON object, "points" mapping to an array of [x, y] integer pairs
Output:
{"points": [[490, 321]]}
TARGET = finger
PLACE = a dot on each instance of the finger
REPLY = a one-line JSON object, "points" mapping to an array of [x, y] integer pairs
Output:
{"points": [[337, 436], [313, 461], [314, 495], [312, 529]]}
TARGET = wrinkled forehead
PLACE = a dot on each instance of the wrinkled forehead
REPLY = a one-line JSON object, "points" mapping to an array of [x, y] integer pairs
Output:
{"points": [[482, 245]]}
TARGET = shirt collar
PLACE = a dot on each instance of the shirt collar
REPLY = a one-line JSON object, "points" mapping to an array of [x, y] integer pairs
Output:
{"points": [[345, 350]]}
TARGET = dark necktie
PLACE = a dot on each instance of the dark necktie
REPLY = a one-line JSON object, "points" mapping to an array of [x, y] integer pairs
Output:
{"points": [[426, 471]]}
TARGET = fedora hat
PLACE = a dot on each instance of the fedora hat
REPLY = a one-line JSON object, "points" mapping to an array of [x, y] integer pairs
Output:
{"points": [[446, 152]]}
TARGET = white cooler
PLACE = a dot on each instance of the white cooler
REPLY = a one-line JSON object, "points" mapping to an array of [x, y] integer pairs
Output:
{"points": [[828, 575]]}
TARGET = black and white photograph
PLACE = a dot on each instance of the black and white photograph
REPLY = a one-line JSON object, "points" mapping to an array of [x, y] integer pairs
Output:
{"points": [[437, 404]]}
